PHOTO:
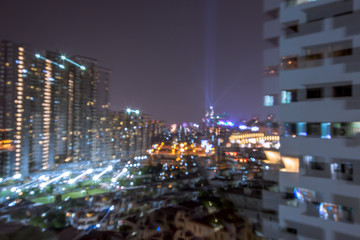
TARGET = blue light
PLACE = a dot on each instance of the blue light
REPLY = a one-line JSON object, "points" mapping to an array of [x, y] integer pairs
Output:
{"points": [[62, 66], [227, 123], [24, 70], [255, 129], [158, 229], [72, 62], [243, 127], [37, 55], [326, 137], [221, 123]]}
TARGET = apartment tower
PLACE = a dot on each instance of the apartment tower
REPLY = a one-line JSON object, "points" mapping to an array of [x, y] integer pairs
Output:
{"points": [[312, 83]]}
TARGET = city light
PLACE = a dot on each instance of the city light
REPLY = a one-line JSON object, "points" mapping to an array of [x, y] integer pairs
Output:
{"points": [[71, 181], [38, 56], [243, 127], [114, 179], [63, 57], [17, 176], [97, 177], [44, 184], [128, 110], [68, 158], [225, 123]]}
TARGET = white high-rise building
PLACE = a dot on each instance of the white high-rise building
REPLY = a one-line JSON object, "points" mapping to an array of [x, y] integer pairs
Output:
{"points": [[312, 83]]}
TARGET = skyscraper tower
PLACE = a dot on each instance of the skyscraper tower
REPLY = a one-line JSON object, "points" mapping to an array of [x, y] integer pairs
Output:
{"points": [[26, 108], [82, 110], [49, 109], [104, 150]]}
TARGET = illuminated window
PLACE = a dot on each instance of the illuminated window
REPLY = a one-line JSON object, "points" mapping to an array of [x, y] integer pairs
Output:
{"points": [[290, 62], [342, 52], [268, 100], [271, 71], [288, 96], [289, 130], [301, 129], [315, 56], [326, 130]]}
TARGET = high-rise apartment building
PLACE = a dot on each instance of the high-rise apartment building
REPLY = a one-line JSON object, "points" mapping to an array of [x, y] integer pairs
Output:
{"points": [[104, 119], [132, 133], [25, 109], [312, 70], [48, 108], [82, 110]]}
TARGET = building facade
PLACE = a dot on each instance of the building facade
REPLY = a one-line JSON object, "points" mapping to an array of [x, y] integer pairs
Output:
{"points": [[48, 109], [312, 69], [104, 119]]}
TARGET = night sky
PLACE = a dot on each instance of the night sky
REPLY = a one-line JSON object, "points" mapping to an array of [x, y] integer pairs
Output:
{"points": [[170, 59]]}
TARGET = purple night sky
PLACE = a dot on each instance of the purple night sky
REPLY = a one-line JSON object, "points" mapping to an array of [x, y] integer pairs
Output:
{"points": [[169, 58]]}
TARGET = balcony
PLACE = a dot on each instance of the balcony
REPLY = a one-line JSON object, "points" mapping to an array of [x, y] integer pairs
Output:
{"points": [[272, 29], [288, 179], [325, 71], [330, 212], [331, 148], [288, 213], [291, 10], [329, 186], [312, 38], [271, 5], [320, 110]]}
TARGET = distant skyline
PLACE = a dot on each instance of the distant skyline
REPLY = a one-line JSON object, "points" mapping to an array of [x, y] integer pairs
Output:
{"points": [[161, 53]]}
